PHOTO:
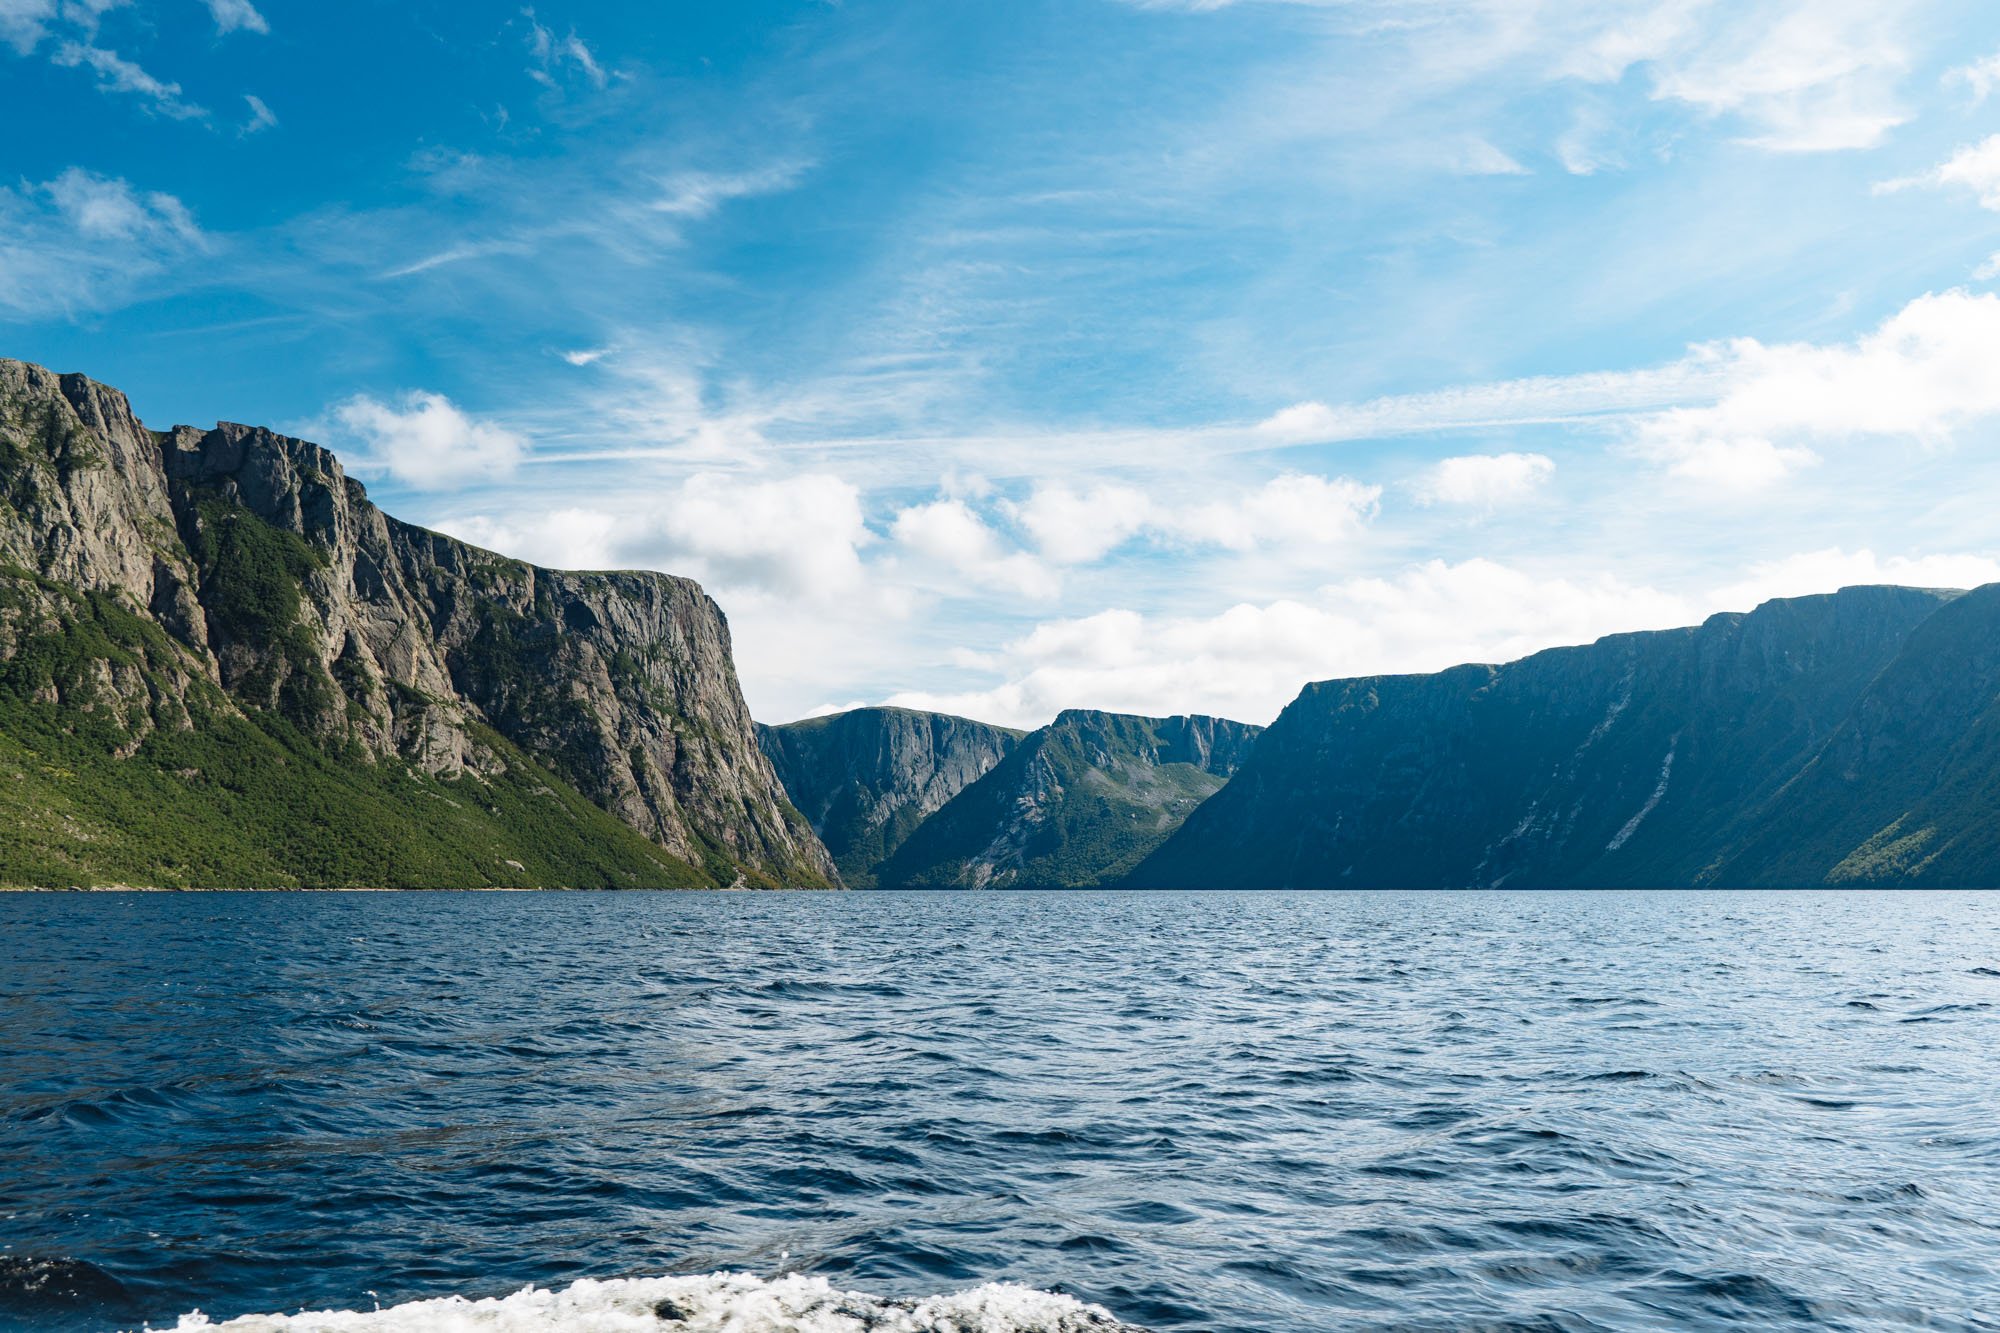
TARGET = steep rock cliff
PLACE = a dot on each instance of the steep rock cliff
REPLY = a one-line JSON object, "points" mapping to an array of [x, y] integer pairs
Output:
{"points": [[868, 777], [1075, 805], [270, 576], [1640, 760]]}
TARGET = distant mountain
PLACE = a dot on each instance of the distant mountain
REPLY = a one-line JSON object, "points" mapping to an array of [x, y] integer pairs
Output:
{"points": [[221, 666], [1074, 805], [1846, 738], [1906, 792], [868, 777]]}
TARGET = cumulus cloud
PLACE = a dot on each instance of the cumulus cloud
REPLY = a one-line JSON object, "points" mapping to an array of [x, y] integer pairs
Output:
{"points": [[1290, 510], [1975, 166], [1979, 78], [1925, 373], [236, 16], [1076, 527], [1485, 481], [115, 74], [795, 538], [84, 241], [1811, 572], [948, 535], [424, 441], [1248, 661]]}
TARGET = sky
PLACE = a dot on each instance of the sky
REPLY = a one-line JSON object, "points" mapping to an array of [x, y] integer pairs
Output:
{"points": [[1001, 356]]}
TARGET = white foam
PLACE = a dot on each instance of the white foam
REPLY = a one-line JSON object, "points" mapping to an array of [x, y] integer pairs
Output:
{"points": [[715, 1303]]}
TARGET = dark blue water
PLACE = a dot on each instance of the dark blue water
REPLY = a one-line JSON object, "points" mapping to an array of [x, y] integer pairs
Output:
{"points": [[1225, 1112]]}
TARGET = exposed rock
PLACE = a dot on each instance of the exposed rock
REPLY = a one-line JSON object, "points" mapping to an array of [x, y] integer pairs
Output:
{"points": [[281, 582], [1640, 760], [868, 777], [1075, 805]]}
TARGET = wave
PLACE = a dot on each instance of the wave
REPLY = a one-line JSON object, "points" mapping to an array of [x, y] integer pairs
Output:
{"points": [[736, 1302]]}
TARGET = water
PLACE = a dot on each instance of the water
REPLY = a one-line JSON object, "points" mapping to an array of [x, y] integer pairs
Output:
{"points": [[1225, 1112]]}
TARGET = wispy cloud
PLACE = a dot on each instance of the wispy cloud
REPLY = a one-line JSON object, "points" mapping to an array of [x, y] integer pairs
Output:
{"points": [[236, 16], [115, 74], [553, 55], [261, 117], [87, 242]]}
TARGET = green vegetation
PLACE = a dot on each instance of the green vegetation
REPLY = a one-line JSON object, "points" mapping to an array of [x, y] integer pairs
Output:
{"points": [[1078, 805], [119, 764]]}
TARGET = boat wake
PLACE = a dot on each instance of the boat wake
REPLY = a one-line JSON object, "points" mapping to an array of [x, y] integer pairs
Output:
{"points": [[736, 1302]]}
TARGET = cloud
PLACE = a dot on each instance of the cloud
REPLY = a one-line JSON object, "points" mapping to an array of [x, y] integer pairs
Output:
{"points": [[1248, 661], [24, 23], [796, 539], [1823, 571], [236, 16], [1485, 481], [1291, 510], [261, 116], [947, 536], [583, 356], [1979, 78], [552, 53], [425, 442], [1071, 527], [1808, 75], [699, 194], [84, 241], [1922, 375], [115, 74], [1975, 166]]}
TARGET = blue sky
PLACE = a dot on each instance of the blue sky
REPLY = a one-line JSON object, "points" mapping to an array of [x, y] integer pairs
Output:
{"points": [[1006, 357]]}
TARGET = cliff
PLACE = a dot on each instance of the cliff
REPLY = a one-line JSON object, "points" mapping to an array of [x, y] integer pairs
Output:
{"points": [[1642, 760], [1075, 805], [868, 777], [189, 586]]}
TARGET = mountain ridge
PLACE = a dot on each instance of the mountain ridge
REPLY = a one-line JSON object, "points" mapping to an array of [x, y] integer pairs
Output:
{"points": [[284, 598]]}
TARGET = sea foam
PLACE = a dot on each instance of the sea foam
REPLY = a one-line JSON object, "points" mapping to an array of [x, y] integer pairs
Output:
{"points": [[716, 1303]]}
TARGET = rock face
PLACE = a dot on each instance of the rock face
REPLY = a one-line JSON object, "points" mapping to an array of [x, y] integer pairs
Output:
{"points": [[1075, 805], [1732, 753], [271, 577], [868, 777]]}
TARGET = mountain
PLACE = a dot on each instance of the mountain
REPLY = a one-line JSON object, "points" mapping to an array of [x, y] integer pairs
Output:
{"points": [[868, 777], [1906, 792], [1075, 805], [1737, 752], [221, 665]]}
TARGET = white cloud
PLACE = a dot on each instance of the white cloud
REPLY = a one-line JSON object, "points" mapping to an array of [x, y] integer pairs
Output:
{"points": [[583, 356], [1823, 571], [1249, 661], [1925, 373], [1807, 75], [1073, 528], [1479, 157], [1979, 78], [1989, 269], [116, 74], [261, 116], [1291, 510], [698, 194], [24, 23], [84, 241], [236, 16], [1975, 166], [947, 535], [426, 442], [796, 538], [1485, 481], [103, 208], [551, 53]]}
